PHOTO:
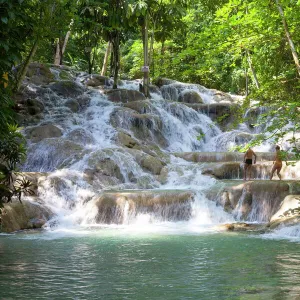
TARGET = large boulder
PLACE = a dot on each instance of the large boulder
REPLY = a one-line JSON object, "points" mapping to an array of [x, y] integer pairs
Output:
{"points": [[223, 113], [51, 154], [67, 88], [152, 164], [123, 95], [190, 96], [154, 89], [162, 205], [289, 207], [224, 170], [97, 80], [73, 105], [80, 136], [41, 132], [255, 201], [102, 161], [34, 106], [26, 215], [39, 74], [170, 92], [98, 180], [163, 81], [142, 107], [221, 97], [145, 127], [127, 140]]}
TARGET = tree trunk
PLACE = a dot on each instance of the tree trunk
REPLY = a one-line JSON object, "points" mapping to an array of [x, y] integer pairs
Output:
{"points": [[146, 65], [151, 53], [64, 46], [287, 33], [57, 53], [105, 61], [23, 70], [116, 57], [60, 49], [252, 69], [89, 54], [246, 75]]}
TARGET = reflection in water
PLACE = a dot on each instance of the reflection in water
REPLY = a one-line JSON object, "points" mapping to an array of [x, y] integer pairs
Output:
{"points": [[289, 267]]}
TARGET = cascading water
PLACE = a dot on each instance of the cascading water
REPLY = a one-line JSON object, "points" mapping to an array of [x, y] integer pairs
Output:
{"points": [[88, 159]]}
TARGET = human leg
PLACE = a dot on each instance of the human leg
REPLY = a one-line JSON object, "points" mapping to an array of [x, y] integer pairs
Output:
{"points": [[250, 172], [278, 171], [245, 170], [272, 172]]}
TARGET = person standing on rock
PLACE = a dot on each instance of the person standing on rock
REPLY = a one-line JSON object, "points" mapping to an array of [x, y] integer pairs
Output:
{"points": [[248, 158], [277, 163]]}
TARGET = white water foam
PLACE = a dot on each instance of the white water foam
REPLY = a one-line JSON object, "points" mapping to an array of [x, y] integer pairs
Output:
{"points": [[291, 233]]}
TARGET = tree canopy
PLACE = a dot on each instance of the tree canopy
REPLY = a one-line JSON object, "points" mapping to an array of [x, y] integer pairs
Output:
{"points": [[245, 47]]}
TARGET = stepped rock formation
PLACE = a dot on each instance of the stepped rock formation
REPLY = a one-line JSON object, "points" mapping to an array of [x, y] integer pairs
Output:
{"points": [[104, 156]]}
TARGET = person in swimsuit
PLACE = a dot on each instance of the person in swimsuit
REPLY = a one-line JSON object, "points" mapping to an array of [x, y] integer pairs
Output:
{"points": [[277, 163], [248, 157]]}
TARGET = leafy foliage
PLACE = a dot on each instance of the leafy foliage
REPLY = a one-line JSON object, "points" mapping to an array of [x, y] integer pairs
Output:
{"points": [[12, 153]]}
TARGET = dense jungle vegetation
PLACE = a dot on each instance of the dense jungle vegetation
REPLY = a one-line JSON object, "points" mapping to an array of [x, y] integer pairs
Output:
{"points": [[244, 47]]}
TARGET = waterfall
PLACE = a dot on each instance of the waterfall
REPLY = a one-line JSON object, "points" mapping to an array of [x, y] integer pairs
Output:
{"points": [[113, 163]]}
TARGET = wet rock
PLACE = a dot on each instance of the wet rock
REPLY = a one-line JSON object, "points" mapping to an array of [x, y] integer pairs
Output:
{"points": [[53, 154], [223, 113], [289, 207], [169, 92], [148, 162], [80, 136], [123, 95], [215, 156], [256, 200], [145, 127], [152, 164], [83, 101], [190, 96], [67, 89], [164, 205], [73, 105], [224, 170], [127, 140], [219, 96], [154, 89], [101, 162], [163, 81], [142, 107], [97, 80], [64, 75], [99, 180], [34, 106], [39, 133], [163, 176], [243, 227], [25, 215], [285, 221], [39, 74]]}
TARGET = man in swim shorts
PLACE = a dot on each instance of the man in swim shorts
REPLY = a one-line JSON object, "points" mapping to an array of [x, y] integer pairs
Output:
{"points": [[277, 163], [248, 161]]}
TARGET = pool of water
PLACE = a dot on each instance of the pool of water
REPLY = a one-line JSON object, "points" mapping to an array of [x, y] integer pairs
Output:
{"points": [[113, 263]]}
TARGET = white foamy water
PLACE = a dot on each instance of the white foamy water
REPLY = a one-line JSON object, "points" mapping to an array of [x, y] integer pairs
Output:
{"points": [[291, 233]]}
